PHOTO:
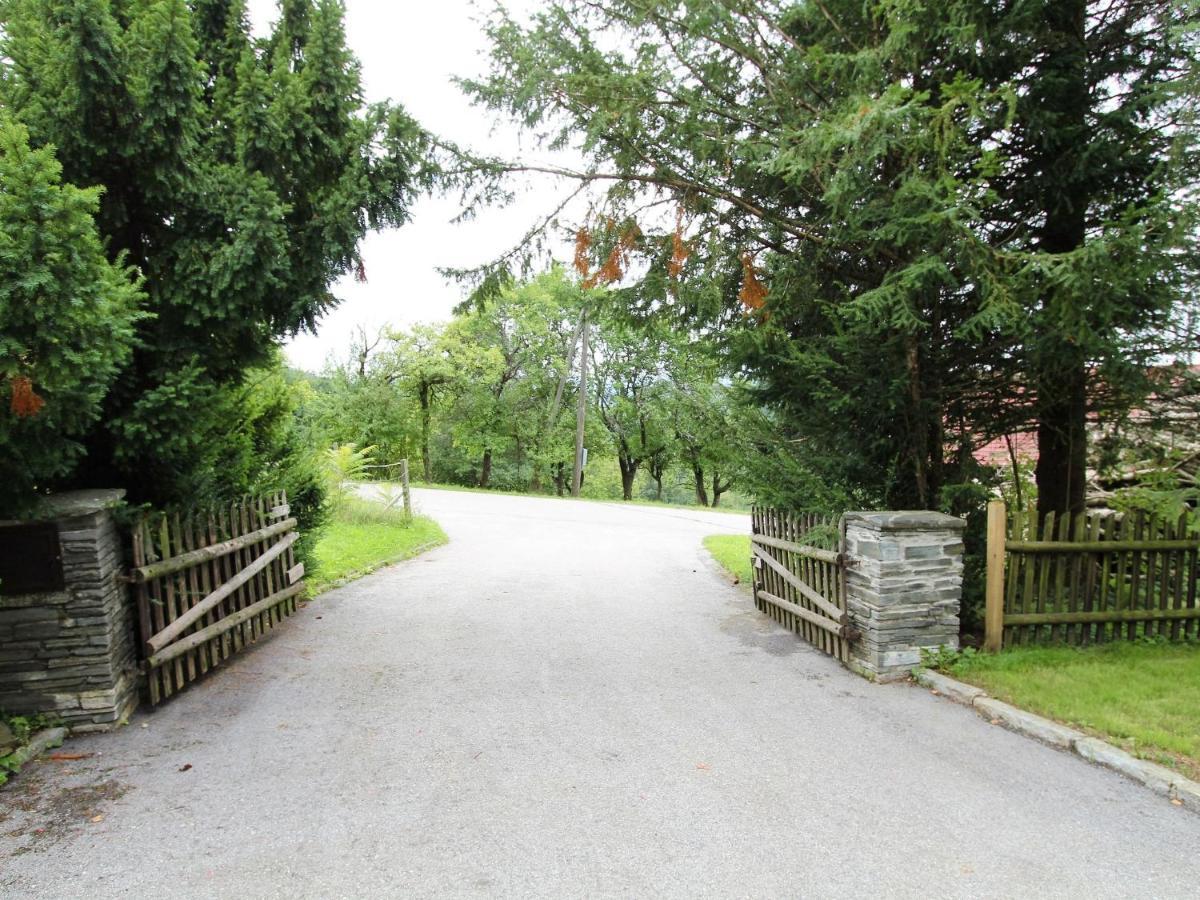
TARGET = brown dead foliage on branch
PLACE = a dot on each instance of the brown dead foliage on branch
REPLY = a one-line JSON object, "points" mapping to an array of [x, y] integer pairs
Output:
{"points": [[26, 403], [753, 293]]}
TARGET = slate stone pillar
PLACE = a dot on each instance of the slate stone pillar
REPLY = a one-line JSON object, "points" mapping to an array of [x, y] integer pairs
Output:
{"points": [[68, 650], [904, 588]]}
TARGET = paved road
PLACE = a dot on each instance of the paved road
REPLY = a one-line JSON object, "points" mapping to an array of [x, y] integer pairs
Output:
{"points": [[568, 701]]}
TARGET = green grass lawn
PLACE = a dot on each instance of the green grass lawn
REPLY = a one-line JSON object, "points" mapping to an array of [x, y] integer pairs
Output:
{"points": [[1143, 697], [364, 536], [732, 553]]}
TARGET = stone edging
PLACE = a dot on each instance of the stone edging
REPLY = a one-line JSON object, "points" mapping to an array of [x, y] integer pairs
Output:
{"points": [[1166, 782], [38, 744]]}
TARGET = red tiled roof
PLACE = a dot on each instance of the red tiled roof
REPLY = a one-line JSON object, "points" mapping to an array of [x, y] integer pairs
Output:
{"points": [[996, 452]]}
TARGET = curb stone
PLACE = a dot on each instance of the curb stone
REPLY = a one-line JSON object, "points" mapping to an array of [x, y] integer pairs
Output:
{"points": [[1163, 781], [955, 690], [1027, 723], [39, 744], [1188, 794]]}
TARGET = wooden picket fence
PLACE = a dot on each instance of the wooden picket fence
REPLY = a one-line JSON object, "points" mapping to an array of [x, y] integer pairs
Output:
{"points": [[799, 567], [209, 584], [1089, 578]]}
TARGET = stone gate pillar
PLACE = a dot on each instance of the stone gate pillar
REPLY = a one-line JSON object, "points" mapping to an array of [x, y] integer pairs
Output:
{"points": [[903, 587], [67, 637]]}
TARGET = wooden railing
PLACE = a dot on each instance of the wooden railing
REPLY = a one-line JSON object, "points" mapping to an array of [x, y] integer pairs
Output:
{"points": [[210, 583], [1089, 578]]}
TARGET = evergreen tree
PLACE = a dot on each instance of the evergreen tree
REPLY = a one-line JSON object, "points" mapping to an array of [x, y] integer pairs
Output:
{"points": [[1095, 197], [67, 318], [872, 207], [238, 176]]}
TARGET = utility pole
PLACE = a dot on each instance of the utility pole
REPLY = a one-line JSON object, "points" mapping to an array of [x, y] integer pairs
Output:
{"points": [[581, 412]]}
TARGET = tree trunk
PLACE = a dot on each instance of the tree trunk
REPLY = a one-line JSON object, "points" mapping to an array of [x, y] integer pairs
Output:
{"points": [[658, 477], [426, 460], [560, 479], [718, 489], [1061, 471], [918, 438], [485, 469], [535, 468], [628, 474], [701, 490], [1060, 367]]}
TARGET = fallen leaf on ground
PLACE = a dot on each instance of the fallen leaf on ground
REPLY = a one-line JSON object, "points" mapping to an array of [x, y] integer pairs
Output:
{"points": [[64, 757], [99, 818], [703, 766], [1175, 801], [185, 767]]}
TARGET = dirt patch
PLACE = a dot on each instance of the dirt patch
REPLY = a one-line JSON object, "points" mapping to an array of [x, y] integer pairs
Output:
{"points": [[753, 629], [40, 808]]}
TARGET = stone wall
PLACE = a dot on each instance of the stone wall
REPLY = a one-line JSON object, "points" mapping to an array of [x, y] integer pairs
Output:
{"points": [[71, 653], [904, 588]]}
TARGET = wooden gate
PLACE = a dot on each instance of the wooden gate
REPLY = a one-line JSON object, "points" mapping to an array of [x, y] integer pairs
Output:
{"points": [[800, 576], [210, 583]]}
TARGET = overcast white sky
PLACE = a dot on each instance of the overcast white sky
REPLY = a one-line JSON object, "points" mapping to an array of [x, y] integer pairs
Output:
{"points": [[409, 52]]}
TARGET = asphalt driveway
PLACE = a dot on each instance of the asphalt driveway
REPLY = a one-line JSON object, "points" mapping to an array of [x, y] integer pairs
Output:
{"points": [[569, 701]]}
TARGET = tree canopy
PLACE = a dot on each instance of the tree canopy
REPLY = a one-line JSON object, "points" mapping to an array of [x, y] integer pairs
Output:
{"points": [[915, 228], [489, 399], [236, 175]]}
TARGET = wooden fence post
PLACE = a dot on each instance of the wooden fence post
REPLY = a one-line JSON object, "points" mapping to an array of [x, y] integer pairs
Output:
{"points": [[997, 527], [408, 513], [753, 559]]}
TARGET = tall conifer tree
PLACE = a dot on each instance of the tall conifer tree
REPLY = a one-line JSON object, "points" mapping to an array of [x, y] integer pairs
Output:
{"points": [[237, 175]]}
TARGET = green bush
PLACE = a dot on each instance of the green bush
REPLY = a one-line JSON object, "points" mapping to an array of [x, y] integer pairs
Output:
{"points": [[66, 319]]}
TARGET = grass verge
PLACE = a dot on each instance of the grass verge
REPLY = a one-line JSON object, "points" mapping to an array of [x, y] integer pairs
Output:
{"points": [[364, 536], [1143, 697], [732, 553]]}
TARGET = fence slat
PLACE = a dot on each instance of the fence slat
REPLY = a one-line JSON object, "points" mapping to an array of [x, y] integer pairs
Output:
{"points": [[1177, 631], [812, 596], [1089, 577], [823, 623], [255, 609], [798, 584], [246, 576], [1102, 615], [208, 583]]}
